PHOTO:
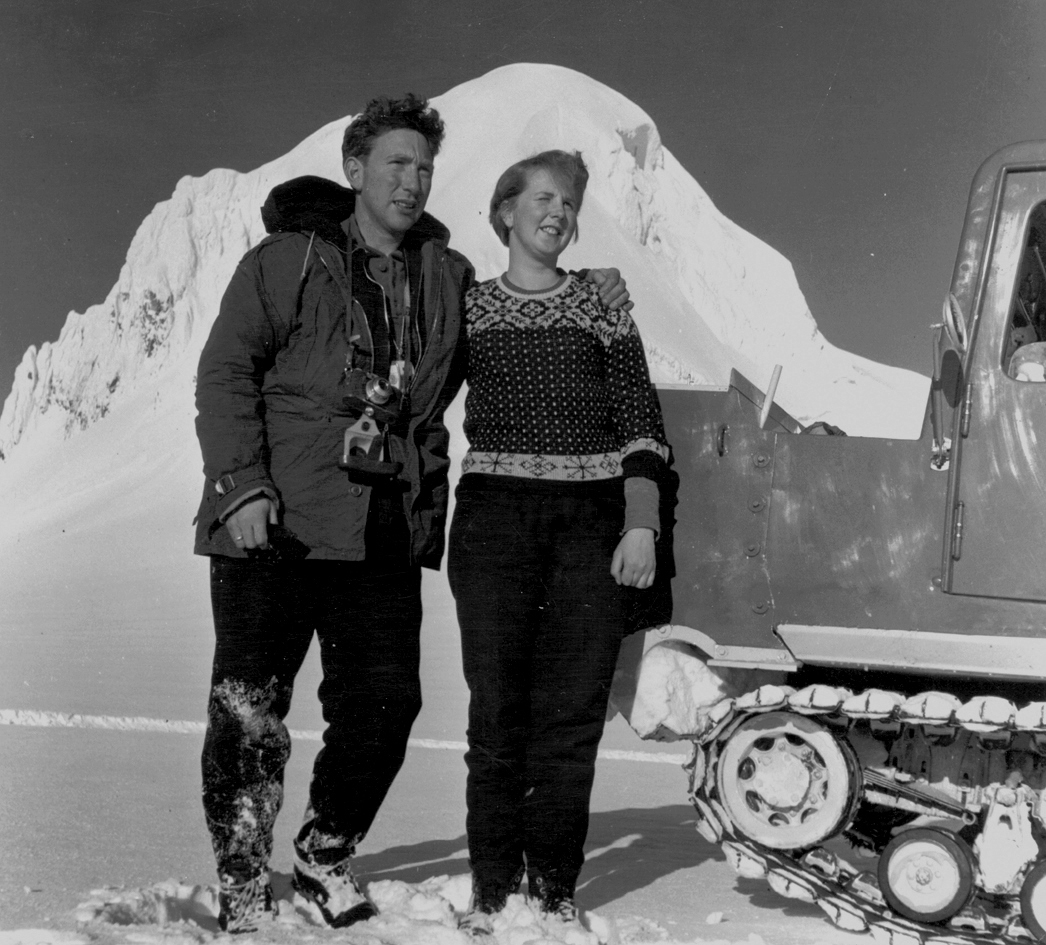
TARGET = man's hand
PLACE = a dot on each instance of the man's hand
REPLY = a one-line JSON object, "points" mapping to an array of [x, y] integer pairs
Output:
{"points": [[634, 563], [613, 290], [248, 524]]}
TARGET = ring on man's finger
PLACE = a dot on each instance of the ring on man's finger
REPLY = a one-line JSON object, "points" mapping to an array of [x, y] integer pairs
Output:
{"points": [[237, 537]]}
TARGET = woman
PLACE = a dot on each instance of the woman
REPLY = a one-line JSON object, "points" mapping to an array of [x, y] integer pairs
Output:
{"points": [[556, 520]]}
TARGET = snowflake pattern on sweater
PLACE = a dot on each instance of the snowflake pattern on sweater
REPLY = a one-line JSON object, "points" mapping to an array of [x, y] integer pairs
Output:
{"points": [[558, 384]]}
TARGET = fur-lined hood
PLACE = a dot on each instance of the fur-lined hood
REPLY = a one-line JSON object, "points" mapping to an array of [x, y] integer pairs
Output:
{"points": [[315, 204]]}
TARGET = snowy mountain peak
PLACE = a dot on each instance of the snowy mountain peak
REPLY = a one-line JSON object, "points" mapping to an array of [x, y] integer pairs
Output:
{"points": [[709, 296]]}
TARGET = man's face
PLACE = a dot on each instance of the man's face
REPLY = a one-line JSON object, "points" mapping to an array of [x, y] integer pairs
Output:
{"points": [[392, 185]]}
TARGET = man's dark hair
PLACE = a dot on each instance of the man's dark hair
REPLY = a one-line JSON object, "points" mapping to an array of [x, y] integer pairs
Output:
{"points": [[387, 114]]}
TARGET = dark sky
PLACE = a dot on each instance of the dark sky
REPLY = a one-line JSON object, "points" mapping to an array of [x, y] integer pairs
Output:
{"points": [[844, 133]]}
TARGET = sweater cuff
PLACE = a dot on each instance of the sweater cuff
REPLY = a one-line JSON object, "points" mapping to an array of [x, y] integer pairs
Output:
{"points": [[645, 461], [642, 505]]}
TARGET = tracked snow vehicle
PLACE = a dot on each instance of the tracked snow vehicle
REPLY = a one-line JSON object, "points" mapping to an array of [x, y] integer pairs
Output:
{"points": [[898, 589]]}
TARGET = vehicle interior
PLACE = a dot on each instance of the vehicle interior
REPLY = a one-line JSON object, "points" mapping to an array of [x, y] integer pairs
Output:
{"points": [[1024, 357]]}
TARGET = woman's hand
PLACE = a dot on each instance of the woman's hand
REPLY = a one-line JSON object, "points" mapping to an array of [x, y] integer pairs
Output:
{"points": [[634, 563]]}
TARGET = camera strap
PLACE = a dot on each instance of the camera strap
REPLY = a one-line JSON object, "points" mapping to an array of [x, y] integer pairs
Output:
{"points": [[388, 360]]}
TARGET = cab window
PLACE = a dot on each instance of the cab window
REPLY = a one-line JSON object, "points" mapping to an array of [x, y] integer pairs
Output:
{"points": [[1024, 355]]}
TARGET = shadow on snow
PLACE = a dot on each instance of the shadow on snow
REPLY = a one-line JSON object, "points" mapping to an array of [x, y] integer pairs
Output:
{"points": [[627, 850]]}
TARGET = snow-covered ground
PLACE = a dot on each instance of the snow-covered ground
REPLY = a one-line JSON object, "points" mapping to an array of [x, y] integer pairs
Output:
{"points": [[104, 823], [101, 719]]}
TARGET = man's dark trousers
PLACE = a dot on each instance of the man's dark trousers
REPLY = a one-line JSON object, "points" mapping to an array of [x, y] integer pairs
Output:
{"points": [[367, 617]]}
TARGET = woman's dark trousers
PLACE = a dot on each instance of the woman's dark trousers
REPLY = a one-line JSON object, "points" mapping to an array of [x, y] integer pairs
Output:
{"points": [[367, 616], [541, 624]]}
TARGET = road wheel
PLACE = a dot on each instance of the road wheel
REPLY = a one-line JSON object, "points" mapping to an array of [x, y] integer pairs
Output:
{"points": [[787, 782], [926, 874], [1033, 901]]}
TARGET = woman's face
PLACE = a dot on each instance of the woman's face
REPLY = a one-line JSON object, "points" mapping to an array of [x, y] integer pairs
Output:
{"points": [[543, 220]]}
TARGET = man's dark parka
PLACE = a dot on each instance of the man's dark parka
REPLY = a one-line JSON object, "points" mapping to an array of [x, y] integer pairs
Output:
{"points": [[271, 415]]}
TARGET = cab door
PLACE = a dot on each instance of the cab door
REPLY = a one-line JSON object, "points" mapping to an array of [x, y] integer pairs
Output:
{"points": [[996, 534]]}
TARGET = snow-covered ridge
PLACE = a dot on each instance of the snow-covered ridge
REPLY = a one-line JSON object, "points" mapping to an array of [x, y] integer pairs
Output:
{"points": [[709, 295], [149, 319]]}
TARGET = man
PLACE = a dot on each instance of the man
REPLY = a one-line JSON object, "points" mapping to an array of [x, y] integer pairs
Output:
{"points": [[321, 393]]}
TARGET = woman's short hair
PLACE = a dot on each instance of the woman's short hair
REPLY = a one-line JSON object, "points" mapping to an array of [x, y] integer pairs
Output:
{"points": [[566, 168], [387, 114]]}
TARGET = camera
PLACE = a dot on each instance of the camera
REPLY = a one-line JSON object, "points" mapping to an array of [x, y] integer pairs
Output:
{"points": [[379, 405], [373, 395]]}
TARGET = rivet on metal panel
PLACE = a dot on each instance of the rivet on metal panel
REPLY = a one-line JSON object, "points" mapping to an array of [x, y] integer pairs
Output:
{"points": [[752, 549], [761, 460], [756, 505], [720, 650], [760, 608]]}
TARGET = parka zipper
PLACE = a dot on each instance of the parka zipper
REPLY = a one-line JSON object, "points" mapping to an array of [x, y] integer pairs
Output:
{"points": [[416, 492], [385, 312], [439, 307], [341, 281]]}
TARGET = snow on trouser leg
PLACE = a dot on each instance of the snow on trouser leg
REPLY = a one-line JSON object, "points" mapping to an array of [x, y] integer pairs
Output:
{"points": [[244, 754]]}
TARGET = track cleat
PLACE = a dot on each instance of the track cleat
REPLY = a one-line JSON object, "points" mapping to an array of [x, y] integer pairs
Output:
{"points": [[824, 861], [884, 729], [865, 886], [986, 714], [1032, 718], [941, 735], [697, 766], [1016, 928], [971, 919], [745, 863], [933, 707], [879, 704], [718, 716], [995, 741], [791, 885], [764, 698], [708, 824], [894, 933], [818, 699], [723, 817], [844, 915]]}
